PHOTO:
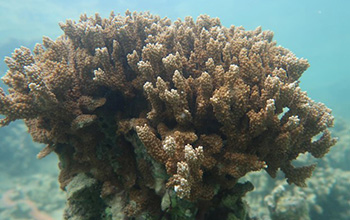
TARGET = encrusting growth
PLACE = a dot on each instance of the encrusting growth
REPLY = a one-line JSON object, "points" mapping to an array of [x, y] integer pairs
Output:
{"points": [[157, 112]]}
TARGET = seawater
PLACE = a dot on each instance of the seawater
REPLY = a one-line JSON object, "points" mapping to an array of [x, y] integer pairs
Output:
{"points": [[318, 30]]}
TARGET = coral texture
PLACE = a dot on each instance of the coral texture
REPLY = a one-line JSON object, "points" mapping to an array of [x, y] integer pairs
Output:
{"points": [[151, 108]]}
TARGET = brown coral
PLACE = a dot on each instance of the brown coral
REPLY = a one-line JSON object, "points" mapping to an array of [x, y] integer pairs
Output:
{"points": [[208, 103]]}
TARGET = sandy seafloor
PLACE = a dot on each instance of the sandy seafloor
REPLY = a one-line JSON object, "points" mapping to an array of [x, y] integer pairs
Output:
{"points": [[316, 30]]}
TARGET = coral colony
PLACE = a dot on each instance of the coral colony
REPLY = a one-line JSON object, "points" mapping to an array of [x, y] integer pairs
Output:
{"points": [[156, 119]]}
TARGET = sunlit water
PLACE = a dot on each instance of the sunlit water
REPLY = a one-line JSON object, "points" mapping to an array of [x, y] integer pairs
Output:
{"points": [[317, 30]]}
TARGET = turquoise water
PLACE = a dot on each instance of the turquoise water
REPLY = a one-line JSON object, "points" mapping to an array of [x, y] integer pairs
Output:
{"points": [[318, 30]]}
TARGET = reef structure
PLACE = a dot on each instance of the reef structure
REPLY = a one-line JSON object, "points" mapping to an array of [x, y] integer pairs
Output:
{"points": [[153, 119]]}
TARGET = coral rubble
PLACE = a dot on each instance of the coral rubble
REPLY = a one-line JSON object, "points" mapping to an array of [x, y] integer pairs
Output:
{"points": [[164, 118], [26, 197], [326, 197]]}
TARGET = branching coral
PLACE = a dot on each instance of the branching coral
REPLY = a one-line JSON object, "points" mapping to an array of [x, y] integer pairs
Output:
{"points": [[151, 108]]}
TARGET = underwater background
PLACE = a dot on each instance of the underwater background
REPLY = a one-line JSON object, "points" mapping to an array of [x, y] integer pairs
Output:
{"points": [[316, 30]]}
